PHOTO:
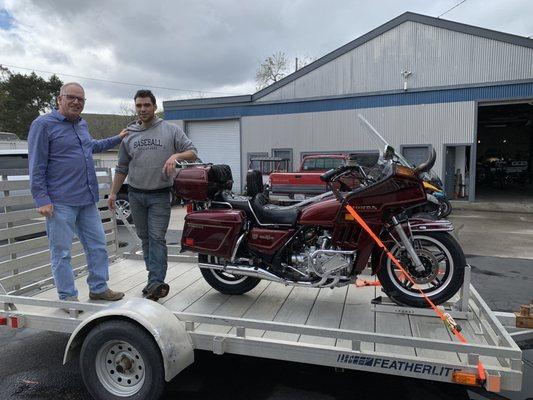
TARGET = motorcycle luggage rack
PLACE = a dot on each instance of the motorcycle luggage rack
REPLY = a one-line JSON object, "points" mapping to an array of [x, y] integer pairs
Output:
{"points": [[457, 308]]}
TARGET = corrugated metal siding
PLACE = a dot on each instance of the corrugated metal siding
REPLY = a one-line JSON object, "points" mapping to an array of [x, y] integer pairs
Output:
{"points": [[489, 93], [178, 122], [433, 124], [435, 56]]}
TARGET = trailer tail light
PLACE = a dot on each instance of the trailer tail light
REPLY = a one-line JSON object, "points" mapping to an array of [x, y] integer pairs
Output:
{"points": [[3, 320], [465, 378], [16, 322]]}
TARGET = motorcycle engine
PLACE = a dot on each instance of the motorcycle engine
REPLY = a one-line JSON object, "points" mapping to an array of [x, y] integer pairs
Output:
{"points": [[314, 256]]}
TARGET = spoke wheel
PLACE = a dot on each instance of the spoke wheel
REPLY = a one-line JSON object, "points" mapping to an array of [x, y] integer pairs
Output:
{"points": [[123, 202]]}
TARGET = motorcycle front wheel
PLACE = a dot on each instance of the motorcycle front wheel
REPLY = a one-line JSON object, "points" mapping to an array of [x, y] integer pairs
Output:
{"points": [[445, 208], [224, 282], [444, 267]]}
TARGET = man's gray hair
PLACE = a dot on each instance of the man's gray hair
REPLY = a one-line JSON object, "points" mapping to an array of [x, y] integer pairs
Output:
{"points": [[66, 85]]}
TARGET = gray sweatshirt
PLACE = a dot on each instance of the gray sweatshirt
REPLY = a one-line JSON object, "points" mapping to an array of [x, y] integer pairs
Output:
{"points": [[143, 153]]}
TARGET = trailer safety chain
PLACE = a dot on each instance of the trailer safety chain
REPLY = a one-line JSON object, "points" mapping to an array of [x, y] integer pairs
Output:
{"points": [[446, 318]]}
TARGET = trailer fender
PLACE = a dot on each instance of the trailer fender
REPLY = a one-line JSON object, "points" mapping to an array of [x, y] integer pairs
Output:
{"points": [[168, 331]]}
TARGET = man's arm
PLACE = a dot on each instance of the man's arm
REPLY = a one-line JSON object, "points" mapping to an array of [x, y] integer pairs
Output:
{"points": [[170, 164], [185, 151], [38, 157], [108, 143], [118, 180], [121, 171]]}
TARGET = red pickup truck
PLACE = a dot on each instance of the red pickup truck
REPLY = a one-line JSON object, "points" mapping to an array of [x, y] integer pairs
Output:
{"points": [[306, 182]]}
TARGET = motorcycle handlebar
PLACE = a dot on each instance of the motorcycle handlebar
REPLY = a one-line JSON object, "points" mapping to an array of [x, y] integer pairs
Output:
{"points": [[327, 176]]}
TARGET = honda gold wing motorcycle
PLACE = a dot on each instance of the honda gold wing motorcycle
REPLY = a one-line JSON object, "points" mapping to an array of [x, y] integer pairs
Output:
{"points": [[317, 243]]}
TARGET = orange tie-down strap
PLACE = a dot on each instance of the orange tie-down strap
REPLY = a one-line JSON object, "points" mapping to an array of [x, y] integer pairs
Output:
{"points": [[445, 317]]}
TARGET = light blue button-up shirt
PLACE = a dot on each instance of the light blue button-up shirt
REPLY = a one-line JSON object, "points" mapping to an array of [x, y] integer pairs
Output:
{"points": [[61, 161]]}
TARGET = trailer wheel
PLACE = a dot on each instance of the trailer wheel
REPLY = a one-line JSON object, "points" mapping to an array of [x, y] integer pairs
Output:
{"points": [[119, 360]]}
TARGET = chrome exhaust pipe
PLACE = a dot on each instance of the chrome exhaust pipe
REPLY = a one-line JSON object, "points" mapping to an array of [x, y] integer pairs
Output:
{"points": [[254, 272]]}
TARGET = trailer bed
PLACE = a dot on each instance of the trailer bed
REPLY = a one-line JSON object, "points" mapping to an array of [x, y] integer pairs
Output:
{"points": [[332, 327]]}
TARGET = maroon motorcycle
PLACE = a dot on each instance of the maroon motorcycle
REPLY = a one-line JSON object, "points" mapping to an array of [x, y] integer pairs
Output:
{"points": [[317, 243]]}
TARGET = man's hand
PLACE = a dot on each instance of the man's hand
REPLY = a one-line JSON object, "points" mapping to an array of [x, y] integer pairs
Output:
{"points": [[123, 133], [111, 201], [170, 165], [46, 210]]}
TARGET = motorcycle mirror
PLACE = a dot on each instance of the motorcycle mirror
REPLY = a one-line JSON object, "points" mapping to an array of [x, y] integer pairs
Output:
{"points": [[389, 153], [351, 161], [428, 164]]}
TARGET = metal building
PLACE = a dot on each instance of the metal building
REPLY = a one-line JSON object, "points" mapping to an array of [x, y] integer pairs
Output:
{"points": [[422, 82]]}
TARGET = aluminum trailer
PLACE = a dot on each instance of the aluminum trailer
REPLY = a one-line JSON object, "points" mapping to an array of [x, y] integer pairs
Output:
{"points": [[130, 348]]}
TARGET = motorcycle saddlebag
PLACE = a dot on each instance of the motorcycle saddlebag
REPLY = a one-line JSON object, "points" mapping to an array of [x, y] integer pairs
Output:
{"points": [[202, 183], [213, 232]]}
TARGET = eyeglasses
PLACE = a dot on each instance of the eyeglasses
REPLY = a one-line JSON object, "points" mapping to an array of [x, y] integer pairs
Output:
{"points": [[72, 98]]}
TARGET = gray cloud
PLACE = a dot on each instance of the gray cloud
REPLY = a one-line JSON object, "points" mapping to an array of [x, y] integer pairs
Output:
{"points": [[215, 45]]}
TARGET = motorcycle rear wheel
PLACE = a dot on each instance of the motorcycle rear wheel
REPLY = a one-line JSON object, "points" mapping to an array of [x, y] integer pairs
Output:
{"points": [[224, 282], [444, 261]]}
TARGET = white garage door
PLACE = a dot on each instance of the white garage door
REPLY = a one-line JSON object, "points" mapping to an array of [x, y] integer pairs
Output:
{"points": [[218, 142]]}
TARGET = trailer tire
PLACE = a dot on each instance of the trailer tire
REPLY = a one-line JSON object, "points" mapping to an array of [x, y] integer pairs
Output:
{"points": [[120, 360]]}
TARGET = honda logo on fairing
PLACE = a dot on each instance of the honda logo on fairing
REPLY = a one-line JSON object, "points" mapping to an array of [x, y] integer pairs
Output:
{"points": [[366, 208]]}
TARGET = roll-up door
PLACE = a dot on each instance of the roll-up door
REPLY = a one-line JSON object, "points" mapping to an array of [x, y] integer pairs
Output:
{"points": [[218, 142]]}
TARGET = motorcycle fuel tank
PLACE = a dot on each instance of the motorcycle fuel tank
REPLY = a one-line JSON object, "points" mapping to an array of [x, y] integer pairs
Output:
{"points": [[320, 214]]}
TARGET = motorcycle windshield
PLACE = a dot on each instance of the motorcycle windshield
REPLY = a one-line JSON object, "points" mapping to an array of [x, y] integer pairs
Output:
{"points": [[378, 140]]}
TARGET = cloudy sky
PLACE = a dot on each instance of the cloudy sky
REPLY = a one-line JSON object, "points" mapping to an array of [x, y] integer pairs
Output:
{"points": [[187, 49]]}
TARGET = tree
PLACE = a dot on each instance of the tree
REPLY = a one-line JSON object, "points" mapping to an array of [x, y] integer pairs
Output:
{"points": [[271, 70], [23, 98], [276, 67]]}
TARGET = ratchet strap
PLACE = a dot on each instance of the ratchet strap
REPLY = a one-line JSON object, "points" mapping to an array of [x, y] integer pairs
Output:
{"points": [[446, 318]]}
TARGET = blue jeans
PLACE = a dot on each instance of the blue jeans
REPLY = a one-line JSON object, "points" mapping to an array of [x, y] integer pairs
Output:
{"points": [[60, 227], [151, 215]]}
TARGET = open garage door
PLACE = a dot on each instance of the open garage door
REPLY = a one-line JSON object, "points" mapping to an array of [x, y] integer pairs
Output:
{"points": [[504, 161], [218, 142]]}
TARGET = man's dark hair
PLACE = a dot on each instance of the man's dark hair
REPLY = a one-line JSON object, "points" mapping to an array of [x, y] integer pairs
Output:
{"points": [[145, 93]]}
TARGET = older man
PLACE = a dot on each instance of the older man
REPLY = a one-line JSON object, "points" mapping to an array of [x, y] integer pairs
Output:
{"points": [[65, 189]]}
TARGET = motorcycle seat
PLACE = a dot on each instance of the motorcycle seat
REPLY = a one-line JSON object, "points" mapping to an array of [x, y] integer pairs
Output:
{"points": [[237, 202], [270, 214], [259, 210]]}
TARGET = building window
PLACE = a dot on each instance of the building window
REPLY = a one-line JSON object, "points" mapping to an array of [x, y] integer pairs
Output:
{"points": [[284, 153], [416, 155]]}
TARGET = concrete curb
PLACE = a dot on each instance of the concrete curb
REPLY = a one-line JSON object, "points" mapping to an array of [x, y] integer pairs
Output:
{"points": [[507, 207]]}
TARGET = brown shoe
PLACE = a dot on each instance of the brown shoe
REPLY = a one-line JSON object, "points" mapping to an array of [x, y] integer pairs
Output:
{"points": [[108, 295]]}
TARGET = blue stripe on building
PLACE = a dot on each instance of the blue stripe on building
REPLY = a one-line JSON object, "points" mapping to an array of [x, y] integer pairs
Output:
{"points": [[489, 93]]}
